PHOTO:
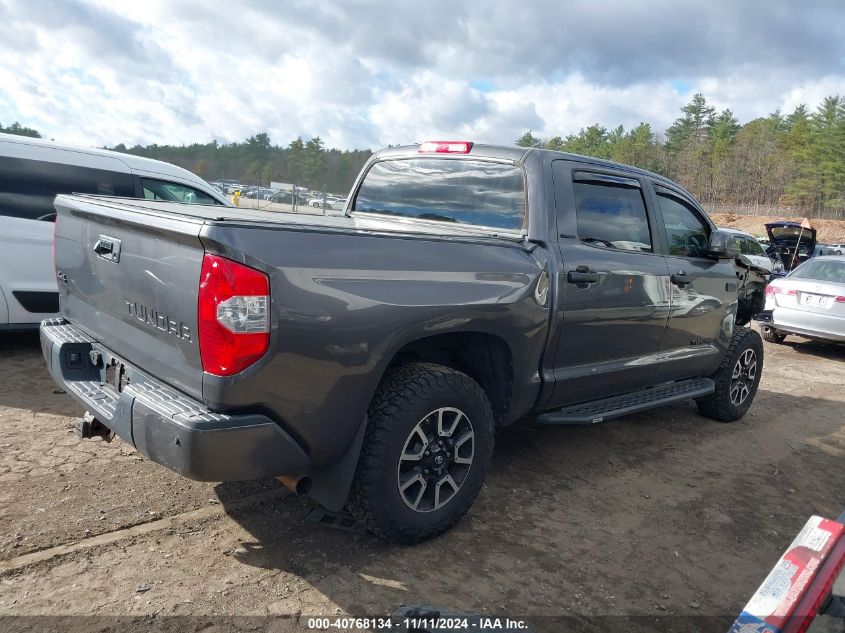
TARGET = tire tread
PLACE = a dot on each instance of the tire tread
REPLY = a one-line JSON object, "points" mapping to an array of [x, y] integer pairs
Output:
{"points": [[718, 405], [394, 397]]}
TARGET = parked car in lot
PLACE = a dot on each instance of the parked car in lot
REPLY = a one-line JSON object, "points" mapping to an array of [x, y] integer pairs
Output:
{"points": [[828, 249], [259, 193], [287, 197], [810, 301], [32, 172], [368, 358], [750, 247]]}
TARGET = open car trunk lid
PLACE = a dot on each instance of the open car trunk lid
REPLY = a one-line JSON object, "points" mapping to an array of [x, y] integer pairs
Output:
{"points": [[787, 234], [129, 277], [790, 243]]}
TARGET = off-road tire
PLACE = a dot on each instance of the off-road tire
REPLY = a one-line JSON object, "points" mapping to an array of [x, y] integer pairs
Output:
{"points": [[770, 335], [405, 396], [718, 405]]}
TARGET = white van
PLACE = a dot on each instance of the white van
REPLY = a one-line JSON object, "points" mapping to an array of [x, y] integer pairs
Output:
{"points": [[32, 172]]}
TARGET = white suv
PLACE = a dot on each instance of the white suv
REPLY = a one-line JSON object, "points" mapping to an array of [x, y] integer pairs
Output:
{"points": [[32, 172]]}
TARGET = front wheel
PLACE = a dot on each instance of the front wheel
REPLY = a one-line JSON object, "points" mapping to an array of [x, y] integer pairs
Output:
{"points": [[426, 452], [736, 379]]}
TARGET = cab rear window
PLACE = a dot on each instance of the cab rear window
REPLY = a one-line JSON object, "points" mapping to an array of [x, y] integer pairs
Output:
{"points": [[461, 191]]}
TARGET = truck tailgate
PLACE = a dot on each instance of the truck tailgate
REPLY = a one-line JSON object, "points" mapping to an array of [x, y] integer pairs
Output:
{"points": [[129, 277]]}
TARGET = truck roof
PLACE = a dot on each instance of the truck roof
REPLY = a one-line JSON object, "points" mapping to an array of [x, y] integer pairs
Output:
{"points": [[516, 153]]}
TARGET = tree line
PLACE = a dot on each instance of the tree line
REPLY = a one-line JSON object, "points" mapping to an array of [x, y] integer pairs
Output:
{"points": [[257, 161], [792, 160], [254, 161], [20, 130]]}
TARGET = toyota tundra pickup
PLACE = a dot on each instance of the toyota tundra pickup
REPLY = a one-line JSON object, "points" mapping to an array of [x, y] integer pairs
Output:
{"points": [[368, 358]]}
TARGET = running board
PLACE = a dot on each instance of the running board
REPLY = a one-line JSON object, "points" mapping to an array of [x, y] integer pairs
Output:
{"points": [[600, 410]]}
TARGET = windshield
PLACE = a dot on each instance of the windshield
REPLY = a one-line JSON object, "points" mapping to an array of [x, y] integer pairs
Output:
{"points": [[821, 270], [462, 191]]}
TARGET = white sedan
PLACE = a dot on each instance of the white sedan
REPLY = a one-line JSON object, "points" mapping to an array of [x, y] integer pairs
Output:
{"points": [[810, 302]]}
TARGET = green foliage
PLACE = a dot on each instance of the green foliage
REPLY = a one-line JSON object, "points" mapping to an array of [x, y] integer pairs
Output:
{"points": [[693, 127], [528, 140], [797, 159], [258, 161], [20, 130]]}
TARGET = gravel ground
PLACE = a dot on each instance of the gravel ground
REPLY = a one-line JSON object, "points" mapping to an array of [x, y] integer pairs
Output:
{"points": [[653, 519]]}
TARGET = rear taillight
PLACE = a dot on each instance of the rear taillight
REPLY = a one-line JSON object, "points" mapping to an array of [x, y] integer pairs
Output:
{"points": [[445, 147], [839, 299], [234, 315], [777, 290]]}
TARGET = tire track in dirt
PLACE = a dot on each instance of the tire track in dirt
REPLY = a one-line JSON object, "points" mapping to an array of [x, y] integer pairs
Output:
{"points": [[108, 538]]}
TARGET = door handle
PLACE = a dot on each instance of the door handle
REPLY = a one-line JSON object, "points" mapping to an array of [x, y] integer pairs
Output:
{"points": [[107, 248], [103, 247], [681, 279], [582, 276]]}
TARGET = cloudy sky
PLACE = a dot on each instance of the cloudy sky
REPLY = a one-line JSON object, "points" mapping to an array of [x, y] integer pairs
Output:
{"points": [[363, 73]]}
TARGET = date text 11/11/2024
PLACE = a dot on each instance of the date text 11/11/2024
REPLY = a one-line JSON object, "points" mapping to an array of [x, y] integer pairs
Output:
{"points": [[421, 623]]}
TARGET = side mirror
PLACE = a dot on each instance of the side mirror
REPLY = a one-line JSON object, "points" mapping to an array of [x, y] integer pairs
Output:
{"points": [[723, 245]]}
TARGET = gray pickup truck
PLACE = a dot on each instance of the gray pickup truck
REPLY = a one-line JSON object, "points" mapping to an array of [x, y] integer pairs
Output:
{"points": [[368, 358]]}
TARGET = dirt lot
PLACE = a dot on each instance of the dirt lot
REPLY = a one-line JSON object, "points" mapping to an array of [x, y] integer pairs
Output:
{"points": [[656, 515]]}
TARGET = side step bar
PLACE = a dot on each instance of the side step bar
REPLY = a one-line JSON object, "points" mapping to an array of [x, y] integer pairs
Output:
{"points": [[613, 407]]}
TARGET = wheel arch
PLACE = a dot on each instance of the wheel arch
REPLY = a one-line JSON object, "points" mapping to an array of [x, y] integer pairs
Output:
{"points": [[484, 357]]}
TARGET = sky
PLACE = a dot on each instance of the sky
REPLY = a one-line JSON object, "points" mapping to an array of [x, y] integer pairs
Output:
{"points": [[366, 74]]}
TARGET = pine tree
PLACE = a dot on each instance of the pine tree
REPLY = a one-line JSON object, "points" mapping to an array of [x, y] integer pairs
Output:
{"points": [[313, 161], [591, 141], [528, 140], [688, 146], [722, 136], [828, 150]]}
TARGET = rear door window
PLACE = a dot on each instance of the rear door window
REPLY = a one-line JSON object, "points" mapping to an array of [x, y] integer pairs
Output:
{"points": [[612, 215], [28, 187], [461, 191], [174, 192]]}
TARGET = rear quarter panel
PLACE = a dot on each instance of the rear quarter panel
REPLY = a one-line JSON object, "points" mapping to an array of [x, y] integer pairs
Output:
{"points": [[345, 303]]}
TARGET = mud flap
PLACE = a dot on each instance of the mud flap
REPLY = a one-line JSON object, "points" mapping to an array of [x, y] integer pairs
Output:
{"points": [[330, 486]]}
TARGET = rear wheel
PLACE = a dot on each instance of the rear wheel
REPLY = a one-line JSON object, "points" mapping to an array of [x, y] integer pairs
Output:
{"points": [[736, 379], [770, 335], [426, 452]]}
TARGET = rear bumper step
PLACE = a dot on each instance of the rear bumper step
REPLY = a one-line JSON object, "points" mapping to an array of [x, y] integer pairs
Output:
{"points": [[601, 410], [164, 424]]}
